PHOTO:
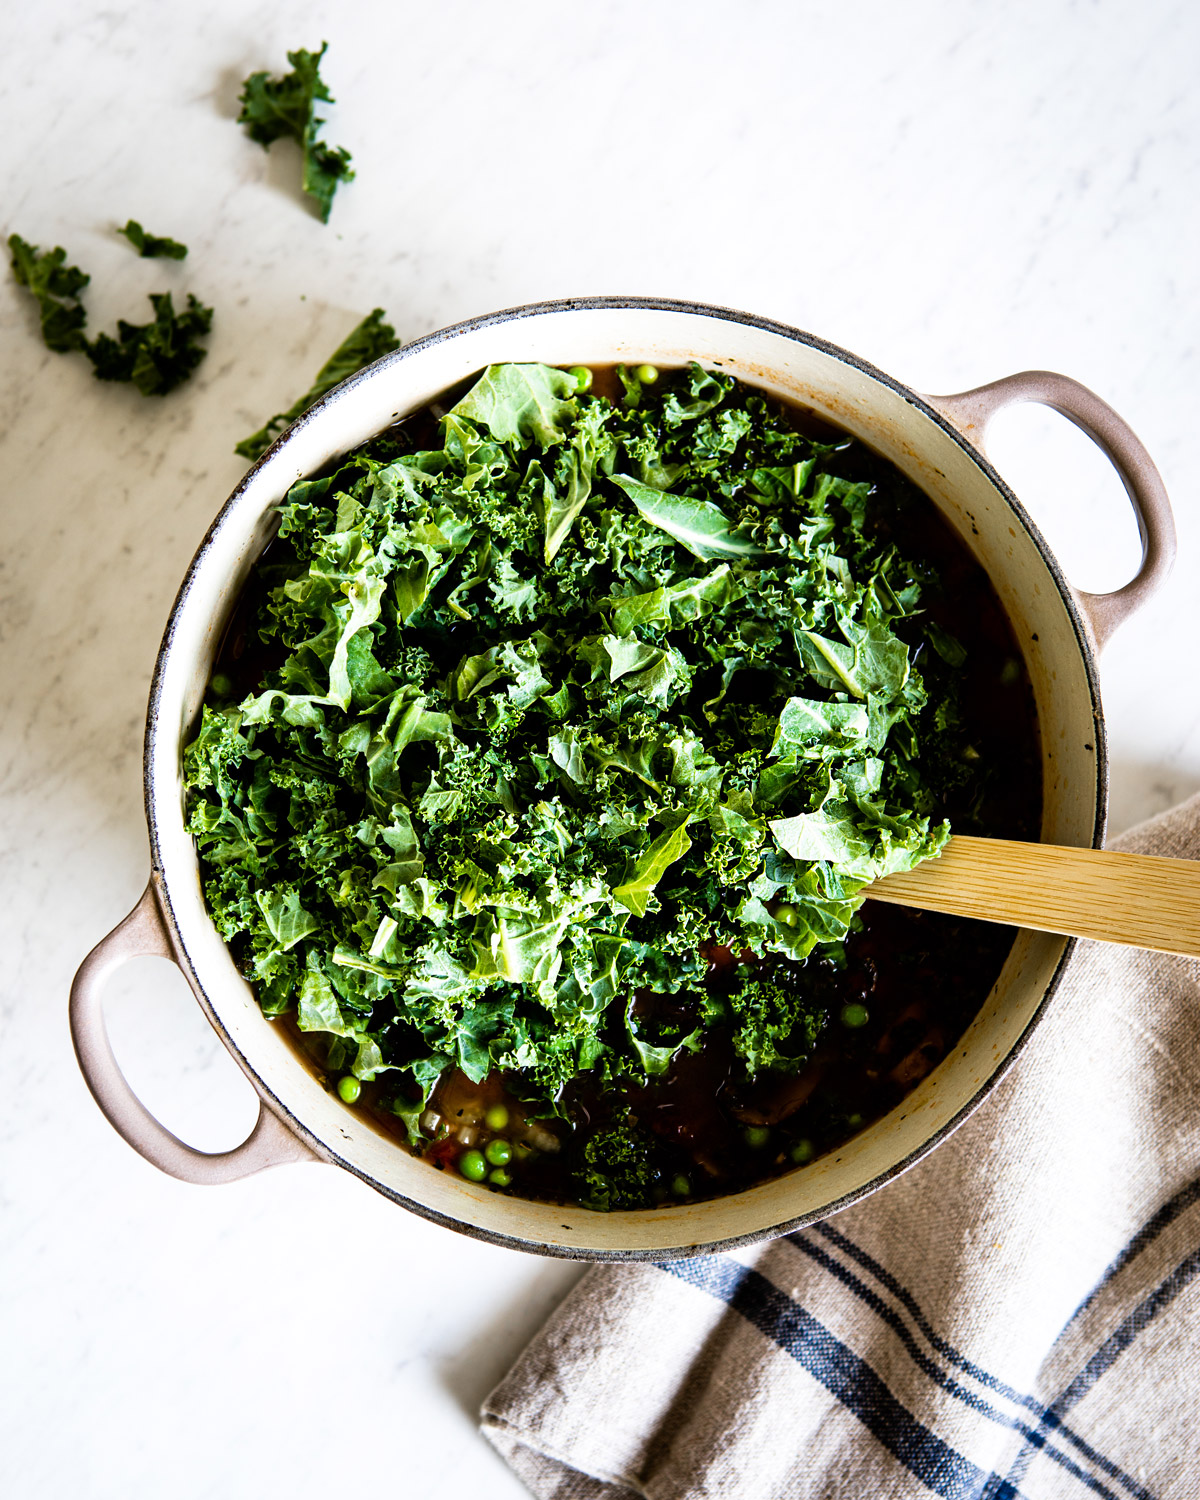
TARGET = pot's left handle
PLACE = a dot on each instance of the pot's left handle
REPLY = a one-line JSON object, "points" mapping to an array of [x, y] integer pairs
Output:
{"points": [[269, 1144], [972, 411]]}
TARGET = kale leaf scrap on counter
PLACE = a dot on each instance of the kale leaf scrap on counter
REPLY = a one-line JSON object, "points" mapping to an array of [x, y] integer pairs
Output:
{"points": [[55, 286], [273, 108], [530, 719], [156, 356], [152, 246]]}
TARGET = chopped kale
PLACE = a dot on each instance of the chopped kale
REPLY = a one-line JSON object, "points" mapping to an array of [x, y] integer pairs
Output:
{"points": [[372, 339], [273, 108], [775, 1024], [551, 706], [616, 1171], [56, 286], [150, 246], [156, 356]]}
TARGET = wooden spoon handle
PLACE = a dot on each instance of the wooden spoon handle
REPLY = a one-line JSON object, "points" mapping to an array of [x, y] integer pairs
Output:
{"points": [[1135, 899]]}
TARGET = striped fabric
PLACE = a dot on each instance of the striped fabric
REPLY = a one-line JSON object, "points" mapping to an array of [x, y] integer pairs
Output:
{"points": [[1018, 1316]]}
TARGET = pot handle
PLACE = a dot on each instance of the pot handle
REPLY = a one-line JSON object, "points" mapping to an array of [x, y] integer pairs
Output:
{"points": [[972, 411], [269, 1144]]}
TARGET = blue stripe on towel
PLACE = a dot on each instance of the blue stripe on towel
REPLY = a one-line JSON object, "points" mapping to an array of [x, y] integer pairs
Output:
{"points": [[860, 1390], [910, 1304], [1145, 1236], [961, 1393], [1112, 1348], [1116, 1344]]}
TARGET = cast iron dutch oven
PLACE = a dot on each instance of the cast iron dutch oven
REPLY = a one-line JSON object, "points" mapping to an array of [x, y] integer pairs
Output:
{"points": [[938, 442]]}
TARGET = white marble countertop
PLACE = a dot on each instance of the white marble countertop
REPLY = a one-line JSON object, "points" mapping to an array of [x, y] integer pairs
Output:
{"points": [[952, 190]]}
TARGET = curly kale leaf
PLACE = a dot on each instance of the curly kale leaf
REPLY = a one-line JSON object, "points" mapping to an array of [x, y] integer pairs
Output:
{"points": [[151, 246], [156, 356], [699, 525], [56, 287], [533, 739], [362, 346], [773, 1024], [275, 108], [615, 1172], [519, 403]]}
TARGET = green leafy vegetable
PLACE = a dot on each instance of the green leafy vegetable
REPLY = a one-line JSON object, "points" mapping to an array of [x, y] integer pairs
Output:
{"points": [[774, 1025], [554, 705], [518, 402], [150, 246], [702, 527], [649, 867], [615, 1172], [273, 108], [946, 646], [56, 286], [156, 356], [372, 339]]}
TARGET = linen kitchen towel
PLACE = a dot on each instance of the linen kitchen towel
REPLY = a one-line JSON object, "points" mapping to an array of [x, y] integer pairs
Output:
{"points": [[1017, 1316]]}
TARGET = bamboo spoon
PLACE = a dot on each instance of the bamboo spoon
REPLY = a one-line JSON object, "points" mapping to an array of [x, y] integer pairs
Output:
{"points": [[1136, 899]]}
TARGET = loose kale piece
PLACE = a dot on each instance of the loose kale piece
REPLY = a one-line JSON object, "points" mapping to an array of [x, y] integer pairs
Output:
{"points": [[56, 287], [372, 339], [615, 1172], [774, 1024], [276, 107], [556, 704], [155, 356], [149, 246]]}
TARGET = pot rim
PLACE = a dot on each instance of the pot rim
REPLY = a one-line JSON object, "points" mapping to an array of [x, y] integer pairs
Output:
{"points": [[321, 1148]]}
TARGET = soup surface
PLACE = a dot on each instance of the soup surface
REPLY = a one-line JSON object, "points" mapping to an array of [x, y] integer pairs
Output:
{"points": [[548, 751]]}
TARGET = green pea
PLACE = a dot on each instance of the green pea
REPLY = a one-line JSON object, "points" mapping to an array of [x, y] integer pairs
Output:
{"points": [[854, 1122], [498, 1152], [222, 686], [756, 1136], [1010, 672], [349, 1089], [499, 1178], [787, 915], [802, 1152], [854, 1016], [472, 1165], [647, 374], [681, 1187], [496, 1117], [583, 377], [521, 1151]]}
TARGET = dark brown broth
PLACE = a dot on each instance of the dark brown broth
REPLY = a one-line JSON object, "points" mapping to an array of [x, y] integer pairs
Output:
{"points": [[922, 977]]}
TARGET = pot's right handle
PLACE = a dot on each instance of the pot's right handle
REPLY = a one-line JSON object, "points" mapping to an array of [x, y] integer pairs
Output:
{"points": [[269, 1144], [972, 411]]}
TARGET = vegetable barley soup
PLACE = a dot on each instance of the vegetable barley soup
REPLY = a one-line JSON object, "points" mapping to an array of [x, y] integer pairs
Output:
{"points": [[549, 751]]}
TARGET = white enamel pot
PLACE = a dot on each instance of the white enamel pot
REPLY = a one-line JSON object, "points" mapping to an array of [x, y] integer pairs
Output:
{"points": [[938, 443]]}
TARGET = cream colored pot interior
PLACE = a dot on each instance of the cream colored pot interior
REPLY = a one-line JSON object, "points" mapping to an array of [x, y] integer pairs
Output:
{"points": [[580, 334]]}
